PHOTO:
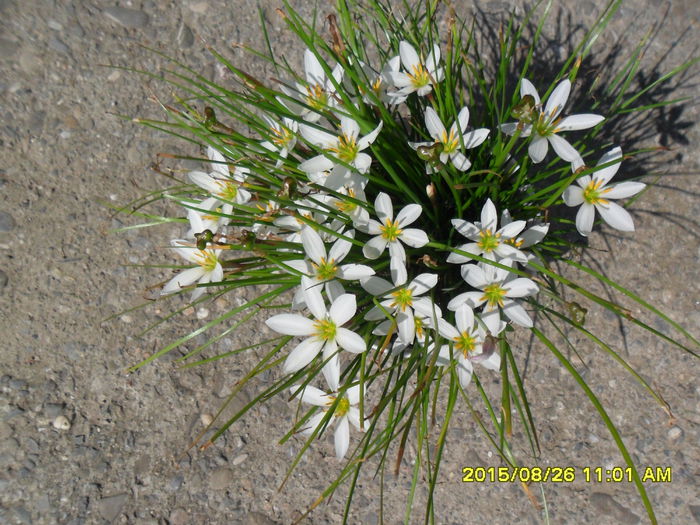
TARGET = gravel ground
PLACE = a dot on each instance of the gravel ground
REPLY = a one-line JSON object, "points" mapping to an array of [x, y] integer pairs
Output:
{"points": [[81, 441]]}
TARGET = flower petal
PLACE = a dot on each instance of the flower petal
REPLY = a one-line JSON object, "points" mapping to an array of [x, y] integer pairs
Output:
{"points": [[423, 283], [489, 217], [520, 287], [354, 272], [343, 309], [577, 122], [182, 279], [312, 297], [475, 137], [573, 195], [291, 324], [464, 317], [313, 69], [467, 229], [516, 313], [562, 147], [311, 395], [316, 164], [538, 149], [350, 127], [368, 139], [584, 219], [302, 355], [383, 207], [408, 215], [376, 285], [616, 216], [526, 88], [460, 161], [557, 100], [350, 341], [624, 189], [605, 174], [414, 237], [342, 437], [409, 57], [313, 244], [435, 126], [374, 247]]}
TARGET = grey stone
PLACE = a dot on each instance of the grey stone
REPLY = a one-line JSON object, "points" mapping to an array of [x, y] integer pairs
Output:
{"points": [[695, 512], [110, 507], [3, 279], [131, 18], [52, 410], [59, 45], [607, 506], [257, 518], [7, 222], [7, 48], [185, 37], [179, 517], [221, 478]]}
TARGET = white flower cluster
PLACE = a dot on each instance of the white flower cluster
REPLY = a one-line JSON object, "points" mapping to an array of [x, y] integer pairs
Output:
{"points": [[342, 241]]}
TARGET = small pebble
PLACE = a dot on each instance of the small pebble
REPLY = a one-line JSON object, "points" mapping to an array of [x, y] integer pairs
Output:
{"points": [[185, 37], [132, 18], [206, 419], [59, 45], [7, 222], [61, 423], [239, 459], [56, 26], [199, 7], [674, 433], [202, 313]]}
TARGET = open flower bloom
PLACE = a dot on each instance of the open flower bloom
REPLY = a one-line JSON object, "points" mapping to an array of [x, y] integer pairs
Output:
{"points": [[346, 411], [531, 236], [591, 192], [380, 82], [498, 290], [346, 148], [404, 302], [418, 76], [488, 241], [544, 125], [283, 137], [220, 184], [325, 333], [467, 342], [202, 217], [208, 269], [324, 267], [319, 92], [453, 142], [356, 212], [392, 233]]}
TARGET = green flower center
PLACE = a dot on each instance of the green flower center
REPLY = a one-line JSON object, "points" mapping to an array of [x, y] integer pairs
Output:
{"points": [[325, 329], [419, 77], [420, 327], [592, 193], [316, 97], [227, 190], [347, 206], [450, 143], [464, 343], [493, 295], [346, 149], [390, 230], [326, 270], [402, 298], [342, 407], [282, 136], [488, 241], [207, 259]]}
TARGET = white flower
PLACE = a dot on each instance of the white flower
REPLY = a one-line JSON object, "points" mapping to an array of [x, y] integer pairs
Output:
{"points": [[418, 76], [357, 213], [200, 220], [453, 142], [220, 184], [324, 267], [403, 301], [325, 334], [283, 137], [380, 81], [346, 410], [498, 290], [533, 235], [311, 209], [208, 269], [545, 125], [592, 193], [346, 148], [319, 92], [489, 241], [390, 232], [467, 341]]}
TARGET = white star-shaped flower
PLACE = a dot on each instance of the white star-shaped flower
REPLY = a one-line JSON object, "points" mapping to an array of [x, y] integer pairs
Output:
{"points": [[545, 125], [591, 192], [418, 76], [208, 269], [392, 233], [223, 186], [454, 141]]}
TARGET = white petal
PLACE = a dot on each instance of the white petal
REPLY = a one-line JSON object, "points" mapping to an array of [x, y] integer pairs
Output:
{"points": [[616, 216], [446, 330], [457, 258], [538, 149], [317, 136], [354, 418], [313, 244], [350, 127], [475, 276], [400, 80], [475, 137], [343, 309], [312, 297], [353, 394], [431, 63], [516, 313], [312, 423], [383, 207], [350, 341], [397, 268], [557, 100], [534, 235], [408, 215], [423, 283], [467, 229], [463, 119], [605, 174], [204, 181], [313, 69], [509, 128], [573, 195], [374, 247], [434, 124], [464, 317], [331, 371], [562, 147], [414, 237], [526, 88], [354, 272], [370, 137], [493, 362], [376, 285], [316, 164], [341, 247], [409, 57], [464, 371], [623, 189], [182, 279], [362, 162], [302, 355], [473, 299], [520, 287], [512, 229], [584, 219], [406, 326], [311, 395], [342, 437], [291, 324], [489, 217], [397, 251], [577, 122], [459, 161]]}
